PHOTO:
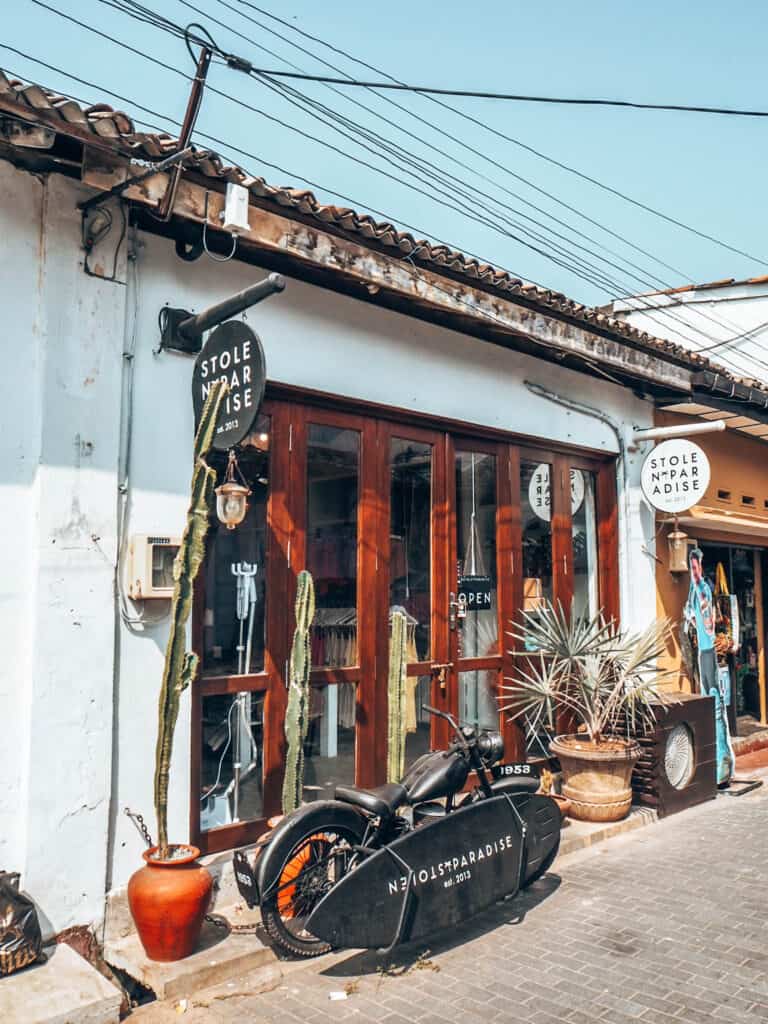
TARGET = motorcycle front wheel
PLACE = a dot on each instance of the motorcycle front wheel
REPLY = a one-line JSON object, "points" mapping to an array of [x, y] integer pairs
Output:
{"points": [[310, 866]]}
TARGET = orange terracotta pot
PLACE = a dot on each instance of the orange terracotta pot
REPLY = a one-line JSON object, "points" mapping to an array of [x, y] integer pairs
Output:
{"points": [[169, 900]]}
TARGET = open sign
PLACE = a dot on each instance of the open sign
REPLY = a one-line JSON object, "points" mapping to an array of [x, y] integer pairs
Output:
{"points": [[475, 593]]}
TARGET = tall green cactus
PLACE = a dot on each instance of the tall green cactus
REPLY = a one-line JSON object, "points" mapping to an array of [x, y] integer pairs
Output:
{"points": [[398, 658], [297, 713], [181, 665]]}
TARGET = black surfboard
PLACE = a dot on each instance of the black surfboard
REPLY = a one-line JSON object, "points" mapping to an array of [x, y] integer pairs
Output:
{"points": [[458, 865]]}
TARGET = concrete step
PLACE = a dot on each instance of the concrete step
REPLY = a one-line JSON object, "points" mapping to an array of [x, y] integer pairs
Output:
{"points": [[579, 834], [221, 955], [63, 990]]}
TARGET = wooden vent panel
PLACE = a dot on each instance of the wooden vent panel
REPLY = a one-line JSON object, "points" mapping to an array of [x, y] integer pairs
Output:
{"points": [[649, 780]]}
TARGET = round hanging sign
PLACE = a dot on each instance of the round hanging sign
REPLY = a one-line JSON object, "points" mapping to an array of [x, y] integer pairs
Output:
{"points": [[232, 353], [539, 491], [675, 475]]}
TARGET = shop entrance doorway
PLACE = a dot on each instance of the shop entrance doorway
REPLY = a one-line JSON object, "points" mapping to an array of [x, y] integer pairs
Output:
{"points": [[461, 530], [743, 568]]}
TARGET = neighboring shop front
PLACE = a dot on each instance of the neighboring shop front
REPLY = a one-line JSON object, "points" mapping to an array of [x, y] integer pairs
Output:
{"points": [[460, 526], [730, 527]]}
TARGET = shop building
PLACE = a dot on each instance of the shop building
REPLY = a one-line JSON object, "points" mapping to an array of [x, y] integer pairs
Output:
{"points": [[729, 524], [435, 434]]}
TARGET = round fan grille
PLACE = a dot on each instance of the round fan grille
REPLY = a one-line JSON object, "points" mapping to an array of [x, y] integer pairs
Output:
{"points": [[679, 762]]}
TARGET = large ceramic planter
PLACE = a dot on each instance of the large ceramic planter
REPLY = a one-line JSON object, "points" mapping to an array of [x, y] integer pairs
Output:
{"points": [[169, 900], [596, 778]]}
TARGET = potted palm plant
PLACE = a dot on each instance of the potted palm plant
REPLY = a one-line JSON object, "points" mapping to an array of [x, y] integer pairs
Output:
{"points": [[169, 896], [605, 683]]}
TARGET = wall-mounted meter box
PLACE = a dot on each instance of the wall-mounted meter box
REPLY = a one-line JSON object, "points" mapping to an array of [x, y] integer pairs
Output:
{"points": [[235, 213], [150, 566]]}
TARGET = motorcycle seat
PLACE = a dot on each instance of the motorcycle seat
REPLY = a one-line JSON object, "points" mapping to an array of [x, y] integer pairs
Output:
{"points": [[382, 801]]}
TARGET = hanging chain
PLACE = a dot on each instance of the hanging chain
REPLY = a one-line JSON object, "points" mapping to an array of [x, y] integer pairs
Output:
{"points": [[223, 925], [140, 824]]}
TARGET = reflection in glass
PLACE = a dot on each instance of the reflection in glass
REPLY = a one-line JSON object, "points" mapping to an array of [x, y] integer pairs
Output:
{"points": [[235, 573], [231, 759], [584, 530], [329, 750], [478, 706], [410, 538], [333, 457], [417, 738], [537, 534], [476, 550]]}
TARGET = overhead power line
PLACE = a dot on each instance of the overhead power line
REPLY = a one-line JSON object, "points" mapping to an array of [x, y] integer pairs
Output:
{"points": [[448, 200], [581, 267], [403, 261], [427, 90], [603, 281], [576, 265], [518, 142]]}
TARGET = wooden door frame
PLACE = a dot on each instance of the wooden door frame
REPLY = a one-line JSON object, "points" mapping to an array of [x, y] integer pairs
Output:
{"points": [[292, 410], [278, 534], [387, 430]]}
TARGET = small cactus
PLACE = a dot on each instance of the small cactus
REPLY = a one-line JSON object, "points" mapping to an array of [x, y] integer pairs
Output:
{"points": [[297, 713], [396, 696]]}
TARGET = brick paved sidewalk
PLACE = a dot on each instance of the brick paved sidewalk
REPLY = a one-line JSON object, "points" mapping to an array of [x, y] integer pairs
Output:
{"points": [[663, 925]]}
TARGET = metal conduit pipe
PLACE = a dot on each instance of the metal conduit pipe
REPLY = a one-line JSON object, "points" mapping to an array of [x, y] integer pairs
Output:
{"points": [[621, 483]]}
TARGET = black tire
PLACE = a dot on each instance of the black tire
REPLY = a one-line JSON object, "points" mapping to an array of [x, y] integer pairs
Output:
{"points": [[309, 864]]}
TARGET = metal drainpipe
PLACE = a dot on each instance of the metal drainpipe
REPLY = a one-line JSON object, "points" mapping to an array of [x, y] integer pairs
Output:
{"points": [[623, 490], [131, 298]]}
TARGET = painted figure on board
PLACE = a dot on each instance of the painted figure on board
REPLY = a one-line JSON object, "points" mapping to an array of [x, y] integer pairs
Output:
{"points": [[700, 615]]}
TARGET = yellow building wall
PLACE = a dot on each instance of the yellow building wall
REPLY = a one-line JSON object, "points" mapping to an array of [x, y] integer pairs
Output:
{"points": [[739, 469]]}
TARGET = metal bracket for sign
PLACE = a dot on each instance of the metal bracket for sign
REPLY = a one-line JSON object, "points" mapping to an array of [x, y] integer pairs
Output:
{"points": [[182, 331], [407, 900], [742, 786], [117, 190], [523, 861]]}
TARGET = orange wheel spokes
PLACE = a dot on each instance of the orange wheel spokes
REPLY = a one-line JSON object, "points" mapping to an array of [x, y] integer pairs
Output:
{"points": [[289, 898]]}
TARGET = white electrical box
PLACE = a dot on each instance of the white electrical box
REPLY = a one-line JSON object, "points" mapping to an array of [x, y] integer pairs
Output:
{"points": [[235, 215], [150, 566]]}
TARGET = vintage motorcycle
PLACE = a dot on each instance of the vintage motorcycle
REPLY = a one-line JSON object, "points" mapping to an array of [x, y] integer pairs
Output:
{"points": [[376, 867]]}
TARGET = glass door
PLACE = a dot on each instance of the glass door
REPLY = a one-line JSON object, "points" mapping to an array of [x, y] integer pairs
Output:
{"points": [[331, 502], [234, 614], [411, 547], [479, 580]]}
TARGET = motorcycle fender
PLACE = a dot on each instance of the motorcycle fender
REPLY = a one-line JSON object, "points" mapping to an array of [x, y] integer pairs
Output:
{"points": [[513, 784], [302, 822]]}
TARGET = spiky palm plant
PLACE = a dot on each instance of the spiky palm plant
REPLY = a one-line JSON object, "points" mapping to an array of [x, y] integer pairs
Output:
{"points": [[180, 665], [608, 680]]}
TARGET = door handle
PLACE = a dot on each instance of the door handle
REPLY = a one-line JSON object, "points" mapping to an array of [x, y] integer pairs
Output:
{"points": [[440, 671], [456, 610]]}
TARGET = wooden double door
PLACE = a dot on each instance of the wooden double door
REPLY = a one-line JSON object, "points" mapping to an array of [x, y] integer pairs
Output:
{"points": [[460, 531]]}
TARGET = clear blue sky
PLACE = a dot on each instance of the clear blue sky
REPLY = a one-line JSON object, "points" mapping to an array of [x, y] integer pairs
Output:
{"points": [[705, 170]]}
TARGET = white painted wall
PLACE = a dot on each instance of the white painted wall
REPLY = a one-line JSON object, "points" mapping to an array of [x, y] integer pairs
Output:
{"points": [[20, 402], [57, 473], [67, 780], [734, 318]]}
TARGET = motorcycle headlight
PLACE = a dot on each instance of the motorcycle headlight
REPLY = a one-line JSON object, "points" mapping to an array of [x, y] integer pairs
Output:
{"points": [[491, 747]]}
